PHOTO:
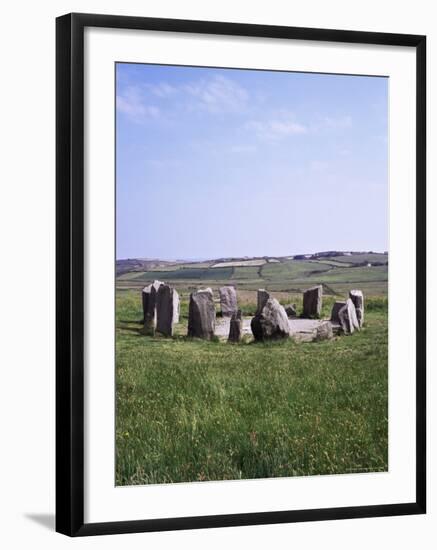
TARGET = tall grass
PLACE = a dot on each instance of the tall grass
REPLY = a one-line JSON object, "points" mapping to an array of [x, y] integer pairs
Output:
{"points": [[190, 410]]}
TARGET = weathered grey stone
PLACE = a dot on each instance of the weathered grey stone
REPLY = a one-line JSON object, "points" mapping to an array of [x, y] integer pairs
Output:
{"points": [[262, 297], [348, 318], [235, 327], [290, 310], [324, 331], [271, 322], [303, 330], [309, 330], [201, 314], [312, 302], [149, 306], [358, 299], [167, 309], [176, 307], [335, 309], [228, 300]]}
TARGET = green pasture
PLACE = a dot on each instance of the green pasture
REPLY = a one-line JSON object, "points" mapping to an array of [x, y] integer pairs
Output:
{"points": [[287, 275], [189, 410]]}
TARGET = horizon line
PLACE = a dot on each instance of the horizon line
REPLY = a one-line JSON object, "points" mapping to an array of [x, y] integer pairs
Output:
{"points": [[245, 257]]}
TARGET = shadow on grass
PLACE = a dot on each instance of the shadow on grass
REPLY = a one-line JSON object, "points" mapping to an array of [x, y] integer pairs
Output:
{"points": [[135, 330]]}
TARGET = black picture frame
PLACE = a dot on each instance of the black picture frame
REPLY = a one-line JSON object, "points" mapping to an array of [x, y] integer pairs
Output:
{"points": [[70, 273]]}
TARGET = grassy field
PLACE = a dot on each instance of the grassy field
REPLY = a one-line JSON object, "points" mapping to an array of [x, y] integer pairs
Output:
{"points": [[190, 410]]}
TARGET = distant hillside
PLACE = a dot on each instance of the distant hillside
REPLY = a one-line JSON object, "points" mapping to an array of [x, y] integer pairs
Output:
{"points": [[350, 257], [338, 271], [135, 264]]}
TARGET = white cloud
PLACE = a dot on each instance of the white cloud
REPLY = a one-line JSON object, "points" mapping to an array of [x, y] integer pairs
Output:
{"points": [[132, 103], [218, 94], [276, 128], [284, 124], [162, 90]]}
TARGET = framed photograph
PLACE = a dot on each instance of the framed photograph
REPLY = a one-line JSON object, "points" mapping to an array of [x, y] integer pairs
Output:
{"points": [[240, 274]]}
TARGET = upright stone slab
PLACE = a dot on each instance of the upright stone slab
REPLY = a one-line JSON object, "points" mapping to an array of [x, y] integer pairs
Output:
{"points": [[235, 327], [312, 302], [271, 322], [348, 318], [262, 297], [201, 314], [167, 305], [176, 307], [335, 310], [228, 300], [358, 299], [149, 306]]}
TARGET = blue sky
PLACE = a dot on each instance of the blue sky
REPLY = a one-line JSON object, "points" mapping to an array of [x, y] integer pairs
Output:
{"points": [[222, 162]]}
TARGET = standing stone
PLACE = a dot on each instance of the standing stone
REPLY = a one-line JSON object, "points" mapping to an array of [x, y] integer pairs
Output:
{"points": [[358, 299], [228, 300], [324, 331], [271, 322], [262, 297], [235, 327], [167, 306], [149, 306], [290, 310], [201, 314], [176, 307], [335, 310], [312, 302], [348, 318]]}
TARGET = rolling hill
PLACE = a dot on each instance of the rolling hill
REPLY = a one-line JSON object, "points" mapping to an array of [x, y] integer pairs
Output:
{"points": [[336, 271]]}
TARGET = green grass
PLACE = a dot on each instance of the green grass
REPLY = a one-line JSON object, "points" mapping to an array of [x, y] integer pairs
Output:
{"points": [[192, 411], [292, 269], [247, 273], [189, 265], [359, 258], [369, 288], [337, 275], [187, 273], [349, 275], [330, 262]]}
